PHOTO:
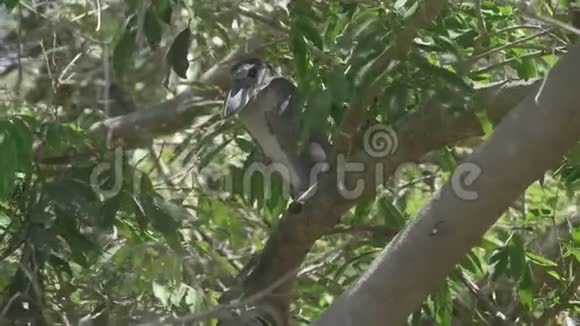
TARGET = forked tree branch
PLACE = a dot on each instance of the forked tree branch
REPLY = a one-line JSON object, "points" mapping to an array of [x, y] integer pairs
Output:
{"points": [[431, 127], [531, 139]]}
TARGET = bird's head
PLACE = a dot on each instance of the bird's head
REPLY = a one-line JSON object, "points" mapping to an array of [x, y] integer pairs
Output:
{"points": [[249, 77]]}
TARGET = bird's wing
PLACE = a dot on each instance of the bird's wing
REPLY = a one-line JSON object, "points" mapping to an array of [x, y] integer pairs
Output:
{"points": [[283, 89], [236, 100]]}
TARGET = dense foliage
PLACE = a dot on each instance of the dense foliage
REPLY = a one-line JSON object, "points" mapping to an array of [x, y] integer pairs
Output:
{"points": [[141, 230]]}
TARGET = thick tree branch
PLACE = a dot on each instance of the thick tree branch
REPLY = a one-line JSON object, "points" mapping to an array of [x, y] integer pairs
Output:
{"points": [[138, 129], [432, 127], [420, 257]]}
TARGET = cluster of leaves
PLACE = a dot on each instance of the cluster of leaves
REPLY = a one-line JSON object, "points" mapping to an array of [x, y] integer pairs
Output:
{"points": [[102, 231], [65, 220]]}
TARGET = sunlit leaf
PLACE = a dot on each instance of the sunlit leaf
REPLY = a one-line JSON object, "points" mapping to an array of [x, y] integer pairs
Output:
{"points": [[540, 260], [161, 292], [527, 69], [526, 291]]}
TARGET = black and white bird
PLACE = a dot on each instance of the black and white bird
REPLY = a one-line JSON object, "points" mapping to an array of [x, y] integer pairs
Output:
{"points": [[265, 105]]}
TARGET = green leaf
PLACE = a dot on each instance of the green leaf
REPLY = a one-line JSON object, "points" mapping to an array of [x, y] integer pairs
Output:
{"points": [[517, 256], [412, 9], [60, 264], [335, 25], [442, 302], [10, 4], [449, 163], [363, 210], [540, 260], [153, 29], [555, 275], [23, 138], [391, 214], [193, 299], [224, 34], [139, 211], [306, 28], [108, 212], [67, 227], [315, 117], [131, 5], [226, 218], [485, 122], [526, 291], [245, 145], [572, 250], [339, 86], [159, 215], [349, 262], [395, 101], [8, 163], [163, 10], [161, 292], [205, 159], [472, 263], [444, 74], [499, 259], [177, 55], [277, 202], [575, 233], [399, 4], [301, 60], [124, 49], [527, 69], [362, 21]]}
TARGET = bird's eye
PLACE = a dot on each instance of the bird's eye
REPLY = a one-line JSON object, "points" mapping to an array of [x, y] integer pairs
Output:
{"points": [[252, 72]]}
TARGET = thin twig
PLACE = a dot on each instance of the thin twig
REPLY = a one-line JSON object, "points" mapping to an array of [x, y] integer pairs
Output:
{"points": [[563, 302], [498, 317], [515, 27], [375, 230], [141, 24], [261, 18], [480, 19], [19, 53], [511, 60], [99, 9], [90, 13], [219, 310], [508, 45], [551, 21], [9, 304], [49, 70], [61, 78]]}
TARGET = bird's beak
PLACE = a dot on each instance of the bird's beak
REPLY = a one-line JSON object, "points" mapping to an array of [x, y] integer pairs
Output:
{"points": [[237, 99]]}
